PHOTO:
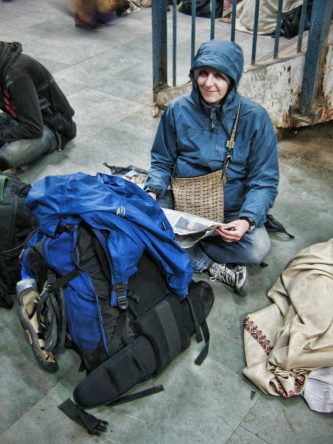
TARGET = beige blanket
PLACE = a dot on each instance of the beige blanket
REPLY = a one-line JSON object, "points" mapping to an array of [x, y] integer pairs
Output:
{"points": [[294, 335], [267, 14]]}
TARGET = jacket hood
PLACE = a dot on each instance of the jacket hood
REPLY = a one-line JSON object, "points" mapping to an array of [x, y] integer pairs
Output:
{"points": [[227, 58], [8, 54], [222, 55]]}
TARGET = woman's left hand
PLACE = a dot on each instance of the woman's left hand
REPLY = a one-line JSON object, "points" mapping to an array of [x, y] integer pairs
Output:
{"points": [[233, 231]]}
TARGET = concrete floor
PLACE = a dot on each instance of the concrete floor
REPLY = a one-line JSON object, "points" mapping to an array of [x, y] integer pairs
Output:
{"points": [[107, 77]]}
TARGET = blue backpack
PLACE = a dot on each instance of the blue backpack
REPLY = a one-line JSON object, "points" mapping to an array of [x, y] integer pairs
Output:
{"points": [[104, 278]]}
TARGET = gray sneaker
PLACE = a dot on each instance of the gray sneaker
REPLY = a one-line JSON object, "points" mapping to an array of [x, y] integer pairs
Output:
{"points": [[236, 278]]}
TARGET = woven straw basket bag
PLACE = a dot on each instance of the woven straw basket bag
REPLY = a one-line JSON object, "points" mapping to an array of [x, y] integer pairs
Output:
{"points": [[201, 195]]}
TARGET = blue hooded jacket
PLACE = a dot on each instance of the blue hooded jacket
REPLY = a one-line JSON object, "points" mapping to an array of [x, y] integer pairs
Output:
{"points": [[187, 145]]}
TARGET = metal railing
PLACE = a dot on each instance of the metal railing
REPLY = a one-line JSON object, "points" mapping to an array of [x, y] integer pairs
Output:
{"points": [[319, 28]]}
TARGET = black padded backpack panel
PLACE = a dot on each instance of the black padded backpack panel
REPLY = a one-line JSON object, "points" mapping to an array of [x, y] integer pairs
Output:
{"points": [[16, 222]]}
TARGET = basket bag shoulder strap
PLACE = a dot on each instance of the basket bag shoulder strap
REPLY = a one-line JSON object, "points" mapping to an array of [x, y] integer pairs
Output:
{"points": [[231, 141]]}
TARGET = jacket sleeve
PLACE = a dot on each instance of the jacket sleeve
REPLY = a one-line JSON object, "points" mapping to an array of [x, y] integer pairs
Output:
{"points": [[29, 119], [163, 155], [263, 172]]}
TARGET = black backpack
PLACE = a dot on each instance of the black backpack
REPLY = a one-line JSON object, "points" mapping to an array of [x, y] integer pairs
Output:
{"points": [[203, 8], [143, 339], [290, 21], [16, 222]]}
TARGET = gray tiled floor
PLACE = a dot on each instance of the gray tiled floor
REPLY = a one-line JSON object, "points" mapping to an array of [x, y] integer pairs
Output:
{"points": [[107, 76]]}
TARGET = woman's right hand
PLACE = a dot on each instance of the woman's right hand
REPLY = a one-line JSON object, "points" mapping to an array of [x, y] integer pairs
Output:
{"points": [[233, 231], [152, 194]]}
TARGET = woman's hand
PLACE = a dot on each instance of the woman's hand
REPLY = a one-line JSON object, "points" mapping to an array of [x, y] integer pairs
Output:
{"points": [[152, 194], [233, 231]]}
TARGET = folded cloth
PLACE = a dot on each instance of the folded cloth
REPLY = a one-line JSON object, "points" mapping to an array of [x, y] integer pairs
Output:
{"points": [[286, 340]]}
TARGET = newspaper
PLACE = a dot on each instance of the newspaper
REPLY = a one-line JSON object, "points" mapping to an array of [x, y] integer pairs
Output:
{"points": [[189, 228], [131, 173], [135, 177]]}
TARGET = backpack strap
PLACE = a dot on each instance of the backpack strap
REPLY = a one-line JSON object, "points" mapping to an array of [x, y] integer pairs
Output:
{"points": [[272, 225], [119, 288], [93, 425], [51, 310], [231, 141], [202, 332], [137, 395], [120, 336], [204, 352]]}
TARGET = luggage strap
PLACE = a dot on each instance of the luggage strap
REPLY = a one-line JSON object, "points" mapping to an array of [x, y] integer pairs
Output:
{"points": [[120, 334], [51, 310], [272, 225], [202, 332], [137, 395], [93, 425]]}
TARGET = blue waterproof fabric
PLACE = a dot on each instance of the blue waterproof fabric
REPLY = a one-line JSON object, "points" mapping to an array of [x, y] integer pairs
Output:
{"points": [[133, 219], [186, 145], [84, 324], [134, 222]]}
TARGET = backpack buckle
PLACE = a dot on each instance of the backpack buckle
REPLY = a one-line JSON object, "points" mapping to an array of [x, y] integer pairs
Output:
{"points": [[121, 292]]}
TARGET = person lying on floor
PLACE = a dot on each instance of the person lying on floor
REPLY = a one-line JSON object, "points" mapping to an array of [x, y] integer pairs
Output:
{"points": [[36, 117], [91, 14], [191, 141]]}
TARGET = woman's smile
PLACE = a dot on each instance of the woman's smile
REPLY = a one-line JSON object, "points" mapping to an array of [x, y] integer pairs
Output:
{"points": [[212, 84]]}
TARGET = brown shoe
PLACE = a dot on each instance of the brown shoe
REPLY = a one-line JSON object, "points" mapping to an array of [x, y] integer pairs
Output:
{"points": [[28, 300]]}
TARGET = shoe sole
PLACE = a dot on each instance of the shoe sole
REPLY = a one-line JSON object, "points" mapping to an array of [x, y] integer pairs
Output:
{"points": [[243, 290]]}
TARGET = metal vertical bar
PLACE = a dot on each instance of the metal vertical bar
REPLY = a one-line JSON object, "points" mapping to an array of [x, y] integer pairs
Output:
{"points": [[174, 41], [194, 10], [255, 32], [319, 28], [233, 20], [302, 25], [278, 30], [159, 33], [212, 5]]}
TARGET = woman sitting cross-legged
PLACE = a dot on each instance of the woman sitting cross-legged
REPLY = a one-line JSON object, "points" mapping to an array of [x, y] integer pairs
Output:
{"points": [[192, 140]]}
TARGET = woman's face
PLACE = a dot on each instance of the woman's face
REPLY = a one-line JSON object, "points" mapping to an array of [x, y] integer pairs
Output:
{"points": [[213, 85]]}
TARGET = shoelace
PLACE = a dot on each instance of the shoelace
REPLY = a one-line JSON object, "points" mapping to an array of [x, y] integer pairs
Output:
{"points": [[224, 274]]}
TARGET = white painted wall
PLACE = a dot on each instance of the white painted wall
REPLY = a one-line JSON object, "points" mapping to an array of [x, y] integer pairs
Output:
{"points": [[276, 85]]}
